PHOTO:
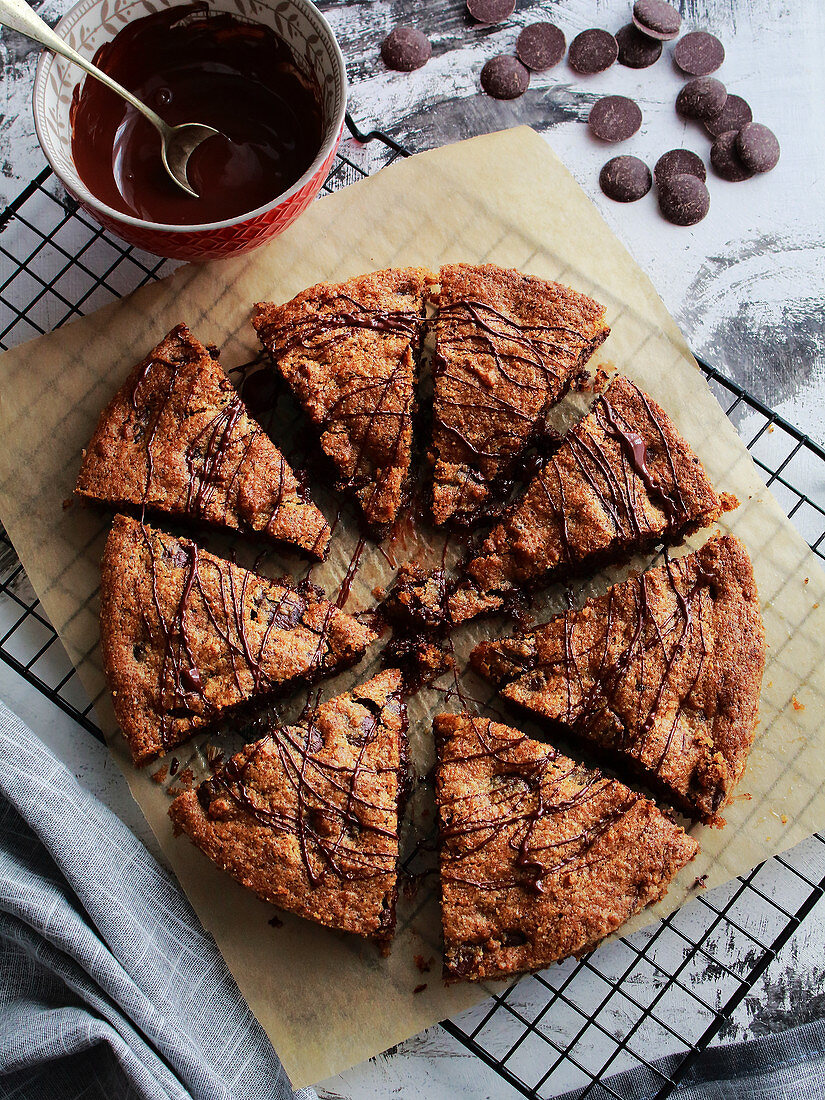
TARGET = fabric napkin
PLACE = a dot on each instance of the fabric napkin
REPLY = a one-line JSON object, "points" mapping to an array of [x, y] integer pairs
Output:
{"points": [[788, 1065], [109, 985]]}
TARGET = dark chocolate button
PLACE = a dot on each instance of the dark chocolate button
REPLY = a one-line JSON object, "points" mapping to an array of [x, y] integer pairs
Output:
{"points": [[702, 98], [593, 51], [757, 147], [491, 11], [636, 50], [679, 162], [504, 77], [541, 46], [614, 118], [625, 179], [725, 159], [405, 49], [657, 19], [683, 199], [699, 53], [733, 116]]}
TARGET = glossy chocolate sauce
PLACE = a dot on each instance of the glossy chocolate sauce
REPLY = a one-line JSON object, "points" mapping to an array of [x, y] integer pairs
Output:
{"points": [[193, 65]]}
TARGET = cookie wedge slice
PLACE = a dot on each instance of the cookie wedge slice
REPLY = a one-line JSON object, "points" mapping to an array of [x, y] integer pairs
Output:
{"points": [[540, 857], [348, 352], [508, 347], [187, 637], [307, 817], [176, 439], [622, 482], [662, 672]]}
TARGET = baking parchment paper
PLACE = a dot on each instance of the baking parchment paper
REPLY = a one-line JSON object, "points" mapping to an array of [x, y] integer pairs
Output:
{"points": [[326, 1000]]}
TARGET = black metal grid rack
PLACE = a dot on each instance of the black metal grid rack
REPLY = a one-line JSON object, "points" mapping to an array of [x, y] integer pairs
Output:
{"points": [[628, 1020]]}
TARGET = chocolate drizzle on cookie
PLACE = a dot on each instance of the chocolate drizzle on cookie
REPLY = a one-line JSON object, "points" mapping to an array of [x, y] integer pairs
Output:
{"points": [[622, 481], [176, 438], [540, 857], [332, 805], [528, 788], [661, 672], [308, 815], [188, 637], [348, 353], [508, 348]]}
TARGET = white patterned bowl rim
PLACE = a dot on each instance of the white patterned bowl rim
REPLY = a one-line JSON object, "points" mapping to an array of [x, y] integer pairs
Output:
{"points": [[91, 23]]}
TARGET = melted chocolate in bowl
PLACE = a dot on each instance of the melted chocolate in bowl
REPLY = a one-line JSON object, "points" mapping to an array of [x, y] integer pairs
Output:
{"points": [[193, 65]]}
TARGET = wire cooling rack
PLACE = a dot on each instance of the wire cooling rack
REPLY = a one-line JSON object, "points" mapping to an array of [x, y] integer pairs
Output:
{"points": [[631, 1018]]}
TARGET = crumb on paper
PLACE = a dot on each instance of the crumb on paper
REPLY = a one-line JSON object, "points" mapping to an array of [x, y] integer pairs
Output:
{"points": [[816, 605], [601, 379], [700, 883], [783, 818], [214, 756], [160, 775], [67, 503], [805, 581], [796, 703], [771, 428], [423, 964], [420, 988]]}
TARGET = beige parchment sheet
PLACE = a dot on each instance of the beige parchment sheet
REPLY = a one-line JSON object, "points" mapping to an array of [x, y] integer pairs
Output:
{"points": [[326, 1000]]}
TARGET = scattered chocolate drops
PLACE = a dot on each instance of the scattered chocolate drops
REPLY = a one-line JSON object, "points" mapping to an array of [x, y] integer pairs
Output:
{"points": [[701, 98], [541, 46], [757, 147], [405, 49], [733, 116], [636, 50], [683, 199], [614, 118], [679, 162], [699, 53], [657, 19], [593, 51], [725, 159], [625, 179], [491, 11], [504, 77]]}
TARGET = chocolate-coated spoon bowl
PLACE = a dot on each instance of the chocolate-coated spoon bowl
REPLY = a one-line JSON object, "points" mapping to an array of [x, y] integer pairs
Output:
{"points": [[89, 26]]}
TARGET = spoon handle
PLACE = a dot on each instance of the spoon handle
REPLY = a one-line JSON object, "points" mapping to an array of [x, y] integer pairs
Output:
{"points": [[17, 15]]}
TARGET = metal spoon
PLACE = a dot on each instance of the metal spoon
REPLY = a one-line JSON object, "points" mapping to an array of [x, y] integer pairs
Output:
{"points": [[177, 143]]}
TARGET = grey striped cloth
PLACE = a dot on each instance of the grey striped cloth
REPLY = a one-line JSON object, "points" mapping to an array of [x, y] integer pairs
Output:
{"points": [[109, 986]]}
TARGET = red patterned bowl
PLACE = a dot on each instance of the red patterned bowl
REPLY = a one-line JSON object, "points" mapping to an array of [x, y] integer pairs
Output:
{"points": [[91, 23]]}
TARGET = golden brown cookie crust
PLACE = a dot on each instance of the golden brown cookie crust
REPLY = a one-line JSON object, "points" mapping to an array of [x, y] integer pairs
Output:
{"points": [[508, 347], [540, 857], [176, 438], [663, 671], [622, 481], [186, 637], [307, 817], [348, 352]]}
